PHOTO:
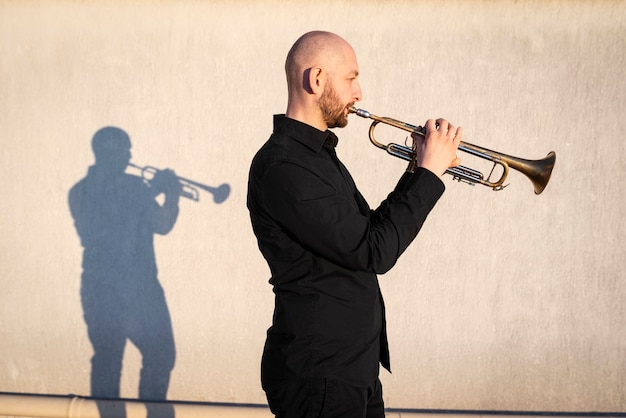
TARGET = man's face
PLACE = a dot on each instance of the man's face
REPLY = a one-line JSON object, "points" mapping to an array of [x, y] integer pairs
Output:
{"points": [[341, 92]]}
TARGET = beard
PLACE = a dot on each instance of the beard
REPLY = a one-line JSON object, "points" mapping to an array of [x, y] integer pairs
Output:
{"points": [[333, 111]]}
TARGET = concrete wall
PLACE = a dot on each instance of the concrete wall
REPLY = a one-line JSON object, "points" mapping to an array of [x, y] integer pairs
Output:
{"points": [[506, 301]]}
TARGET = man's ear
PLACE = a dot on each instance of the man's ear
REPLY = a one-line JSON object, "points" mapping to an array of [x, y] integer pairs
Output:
{"points": [[316, 80]]}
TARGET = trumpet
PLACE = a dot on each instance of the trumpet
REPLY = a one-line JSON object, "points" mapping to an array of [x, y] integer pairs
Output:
{"points": [[537, 171], [189, 188]]}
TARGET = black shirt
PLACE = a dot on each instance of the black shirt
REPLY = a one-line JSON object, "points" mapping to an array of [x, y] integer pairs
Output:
{"points": [[324, 247]]}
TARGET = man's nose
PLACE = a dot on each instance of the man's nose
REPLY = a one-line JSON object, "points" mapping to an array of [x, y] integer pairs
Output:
{"points": [[358, 95]]}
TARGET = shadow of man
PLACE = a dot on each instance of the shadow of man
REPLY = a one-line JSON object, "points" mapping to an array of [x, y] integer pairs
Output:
{"points": [[116, 216]]}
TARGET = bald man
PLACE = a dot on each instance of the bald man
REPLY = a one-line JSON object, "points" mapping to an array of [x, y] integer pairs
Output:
{"points": [[325, 246]]}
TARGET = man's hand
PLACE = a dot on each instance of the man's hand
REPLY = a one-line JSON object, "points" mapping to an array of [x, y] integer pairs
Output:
{"points": [[166, 181], [436, 151]]}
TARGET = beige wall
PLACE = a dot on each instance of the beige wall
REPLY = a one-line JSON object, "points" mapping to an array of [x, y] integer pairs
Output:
{"points": [[506, 301]]}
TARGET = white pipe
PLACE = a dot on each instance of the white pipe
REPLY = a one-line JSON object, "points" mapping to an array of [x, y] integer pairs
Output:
{"points": [[42, 406]]}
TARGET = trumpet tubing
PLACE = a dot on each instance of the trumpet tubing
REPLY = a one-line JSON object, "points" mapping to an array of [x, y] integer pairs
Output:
{"points": [[537, 171], [189, 187]]}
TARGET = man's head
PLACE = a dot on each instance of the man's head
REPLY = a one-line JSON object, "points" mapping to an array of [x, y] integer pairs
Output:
{"points": [[322, 80], [111, 147]]}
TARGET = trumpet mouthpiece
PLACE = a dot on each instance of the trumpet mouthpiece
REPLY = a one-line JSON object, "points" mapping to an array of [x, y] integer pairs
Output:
{"points": [[359, 112]]}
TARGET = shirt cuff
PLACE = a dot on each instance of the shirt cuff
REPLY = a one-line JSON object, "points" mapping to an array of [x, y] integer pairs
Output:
{"points": [[426, 185]]}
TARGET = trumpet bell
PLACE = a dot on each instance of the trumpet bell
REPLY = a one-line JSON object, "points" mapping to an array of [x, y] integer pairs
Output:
{"points": [[537, 171], [220, 193]]}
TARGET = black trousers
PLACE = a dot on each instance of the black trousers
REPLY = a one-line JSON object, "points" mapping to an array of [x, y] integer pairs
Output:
{"points": [[325, 398]]}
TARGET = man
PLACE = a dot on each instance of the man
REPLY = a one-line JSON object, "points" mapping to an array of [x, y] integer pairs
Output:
{"points": [[323, 243], [116, 216]]}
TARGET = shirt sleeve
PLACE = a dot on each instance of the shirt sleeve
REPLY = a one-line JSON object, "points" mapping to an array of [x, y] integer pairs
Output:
{"points": [[331, 224]]}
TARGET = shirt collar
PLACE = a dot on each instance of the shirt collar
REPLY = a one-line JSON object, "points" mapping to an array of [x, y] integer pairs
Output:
{"points": [[306, 134]]}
